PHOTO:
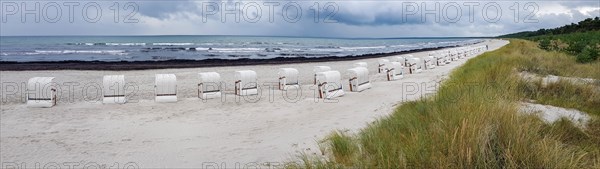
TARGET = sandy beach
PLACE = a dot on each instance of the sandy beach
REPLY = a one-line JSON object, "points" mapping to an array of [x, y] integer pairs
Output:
{"points": [[226, 132]]}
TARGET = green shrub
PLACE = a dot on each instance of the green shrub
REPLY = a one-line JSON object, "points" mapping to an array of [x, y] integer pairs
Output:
{"points": [[588, 54], [544, 44]]}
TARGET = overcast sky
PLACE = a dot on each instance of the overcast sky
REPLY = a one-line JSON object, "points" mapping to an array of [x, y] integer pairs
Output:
{"points": [[348, 18]]}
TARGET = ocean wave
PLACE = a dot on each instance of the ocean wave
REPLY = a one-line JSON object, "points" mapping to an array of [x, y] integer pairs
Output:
{"points": [[172, 44], [232, 50], [327, 47], [126, 44], [109, 44], [362, 47], [50, 52], [327, 50]]}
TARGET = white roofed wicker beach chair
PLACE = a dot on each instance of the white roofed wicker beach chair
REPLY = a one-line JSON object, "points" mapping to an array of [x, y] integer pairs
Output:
{"points": [[414, 65], [209, 85], [246, 83], [165, 88], [114, 89], [41, 92], [382, 64], [288, 78], [329, 84], [395, 71], [359, 79]]}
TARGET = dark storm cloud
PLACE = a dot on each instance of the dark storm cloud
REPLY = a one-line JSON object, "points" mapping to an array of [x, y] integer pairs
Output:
{"points": [[355, 18]]}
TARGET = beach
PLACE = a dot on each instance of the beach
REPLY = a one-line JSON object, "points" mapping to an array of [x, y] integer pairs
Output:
{"points": [[192, 132]]}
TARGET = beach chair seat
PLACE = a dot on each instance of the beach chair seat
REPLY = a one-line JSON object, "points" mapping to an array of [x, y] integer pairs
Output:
{"points": [[114, 89], [41, 92], [405, 61], [246, 83], [209, 85], [288, 78], [359, 79], [395, 71], [165, 88], [329, 84], [318, 69]]}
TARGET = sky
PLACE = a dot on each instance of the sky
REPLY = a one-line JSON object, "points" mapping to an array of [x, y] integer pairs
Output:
{"points": [[305, 18]]}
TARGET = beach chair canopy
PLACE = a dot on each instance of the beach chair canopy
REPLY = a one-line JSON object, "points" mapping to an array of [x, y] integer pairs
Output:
{"points": [[41, 92], [383, 61], [114, 85], [246, 78], [432, 58], [330, 78], [414, 61], [290, 75], [432, 53], [318, 69], [360, 64], [40, 87], [400, 59], [209, 77]]}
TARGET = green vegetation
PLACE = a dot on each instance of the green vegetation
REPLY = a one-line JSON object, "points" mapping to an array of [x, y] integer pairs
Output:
{"points": [[584, 45], [474, 120], [581, 40], [583, 26]]}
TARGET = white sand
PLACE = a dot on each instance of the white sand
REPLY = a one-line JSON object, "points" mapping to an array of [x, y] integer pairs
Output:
{"points": [[191, 133], [551, 79], [551, 114]]}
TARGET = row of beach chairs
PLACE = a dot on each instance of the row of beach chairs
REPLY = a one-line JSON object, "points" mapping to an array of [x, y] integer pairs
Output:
{"points": [[328, 81]]}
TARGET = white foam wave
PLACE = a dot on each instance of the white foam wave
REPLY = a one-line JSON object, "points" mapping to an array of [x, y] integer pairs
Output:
{"points": [[234, 50], [49, 52], [172, 44], [126, 44], [362, 47]]}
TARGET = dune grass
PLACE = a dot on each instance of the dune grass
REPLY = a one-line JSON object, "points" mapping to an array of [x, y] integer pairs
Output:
{"points": [[473, 121]]}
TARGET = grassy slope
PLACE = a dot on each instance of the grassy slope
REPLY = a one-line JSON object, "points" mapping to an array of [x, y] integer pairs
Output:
{"points": [[473, 121]]}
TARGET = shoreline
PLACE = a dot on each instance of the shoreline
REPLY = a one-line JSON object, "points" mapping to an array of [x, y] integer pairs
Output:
{"points": [[184, 63]]}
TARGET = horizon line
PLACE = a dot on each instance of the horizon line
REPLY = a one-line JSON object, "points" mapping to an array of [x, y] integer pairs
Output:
{"points": [[285, 36]]}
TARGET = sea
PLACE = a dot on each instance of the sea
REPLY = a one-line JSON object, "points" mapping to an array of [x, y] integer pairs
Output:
{"points": [[193, 47]]}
